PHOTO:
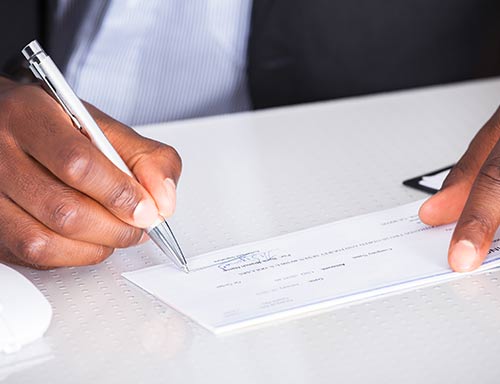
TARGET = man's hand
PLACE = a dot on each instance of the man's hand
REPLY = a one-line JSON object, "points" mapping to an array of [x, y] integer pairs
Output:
{"points": [[471, 195], [62, 202]]}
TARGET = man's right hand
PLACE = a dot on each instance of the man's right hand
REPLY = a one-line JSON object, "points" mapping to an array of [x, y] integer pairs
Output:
{"points": [[62, 202]]}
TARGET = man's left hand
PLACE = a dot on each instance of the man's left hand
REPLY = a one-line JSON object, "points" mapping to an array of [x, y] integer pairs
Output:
{"points": [[471, 195]]}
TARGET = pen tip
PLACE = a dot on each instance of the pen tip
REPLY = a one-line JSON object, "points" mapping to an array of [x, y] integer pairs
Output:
{"points": [[186, 269]]}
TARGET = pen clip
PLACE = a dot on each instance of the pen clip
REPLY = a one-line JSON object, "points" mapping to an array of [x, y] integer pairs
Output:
{"points": [[40, 74]]}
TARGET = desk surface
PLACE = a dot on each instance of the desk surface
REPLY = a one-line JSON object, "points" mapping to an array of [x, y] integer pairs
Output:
{"points": [[255, 175]]}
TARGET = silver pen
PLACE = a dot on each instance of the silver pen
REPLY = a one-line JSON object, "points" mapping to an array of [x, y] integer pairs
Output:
{"points": [[45, 70]]}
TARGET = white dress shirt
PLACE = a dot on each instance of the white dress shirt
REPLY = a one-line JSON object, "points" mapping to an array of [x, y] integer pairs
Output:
{"points": [[160, 60]]}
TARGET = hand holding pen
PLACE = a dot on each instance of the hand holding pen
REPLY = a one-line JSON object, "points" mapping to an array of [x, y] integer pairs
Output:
{"points": [[62, 202]]}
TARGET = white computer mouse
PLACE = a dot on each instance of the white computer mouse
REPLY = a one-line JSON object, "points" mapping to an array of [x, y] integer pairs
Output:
{"points": [[25, 314]]}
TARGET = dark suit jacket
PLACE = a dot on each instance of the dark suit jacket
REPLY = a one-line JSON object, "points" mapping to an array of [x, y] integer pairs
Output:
{"points": [[20, 22], [308, 50]]}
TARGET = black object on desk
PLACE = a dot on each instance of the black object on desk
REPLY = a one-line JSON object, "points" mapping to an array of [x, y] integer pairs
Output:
{"points": [[415, 182]]}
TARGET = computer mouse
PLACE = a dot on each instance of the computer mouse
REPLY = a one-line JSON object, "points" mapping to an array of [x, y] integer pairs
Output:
{"points": [[25, 314]]}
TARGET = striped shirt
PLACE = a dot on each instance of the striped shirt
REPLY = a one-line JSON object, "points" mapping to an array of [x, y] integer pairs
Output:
{"points": [[159, 60]]}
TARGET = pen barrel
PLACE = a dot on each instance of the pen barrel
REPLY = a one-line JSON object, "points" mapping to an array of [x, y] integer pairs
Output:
{"points": [[45, 69]]}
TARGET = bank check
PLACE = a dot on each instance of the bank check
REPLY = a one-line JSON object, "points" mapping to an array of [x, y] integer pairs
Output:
{"points": [[313, 269]]}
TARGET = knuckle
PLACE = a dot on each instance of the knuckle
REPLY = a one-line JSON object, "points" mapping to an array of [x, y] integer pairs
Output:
{"points": [[101, 254], [491, 170], [64, 217], [172, 156], [77, 163], [24, 107], [475, 223], [171, 153], [34, 248], [128, 237], [19, 99], [159, 153], [123, 197], [461, 171], [175, 156]]}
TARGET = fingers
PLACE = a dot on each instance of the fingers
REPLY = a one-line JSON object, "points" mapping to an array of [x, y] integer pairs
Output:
{"points": [[156, 166], [75, 161], [156, 173], [63, 209], [62, 202], [470, 195], [30, 242], [480, 218], [447, 205]]}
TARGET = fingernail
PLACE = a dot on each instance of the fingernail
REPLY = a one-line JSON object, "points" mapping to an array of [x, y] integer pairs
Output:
{"points": [[170, 196], [145, 213], [464, 256]]}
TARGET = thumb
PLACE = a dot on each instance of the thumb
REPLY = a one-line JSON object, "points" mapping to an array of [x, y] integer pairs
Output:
{"points": [[446, 206]]}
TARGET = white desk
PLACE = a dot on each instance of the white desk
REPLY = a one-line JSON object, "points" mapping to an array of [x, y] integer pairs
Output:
{"points": [[255, 175]]}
